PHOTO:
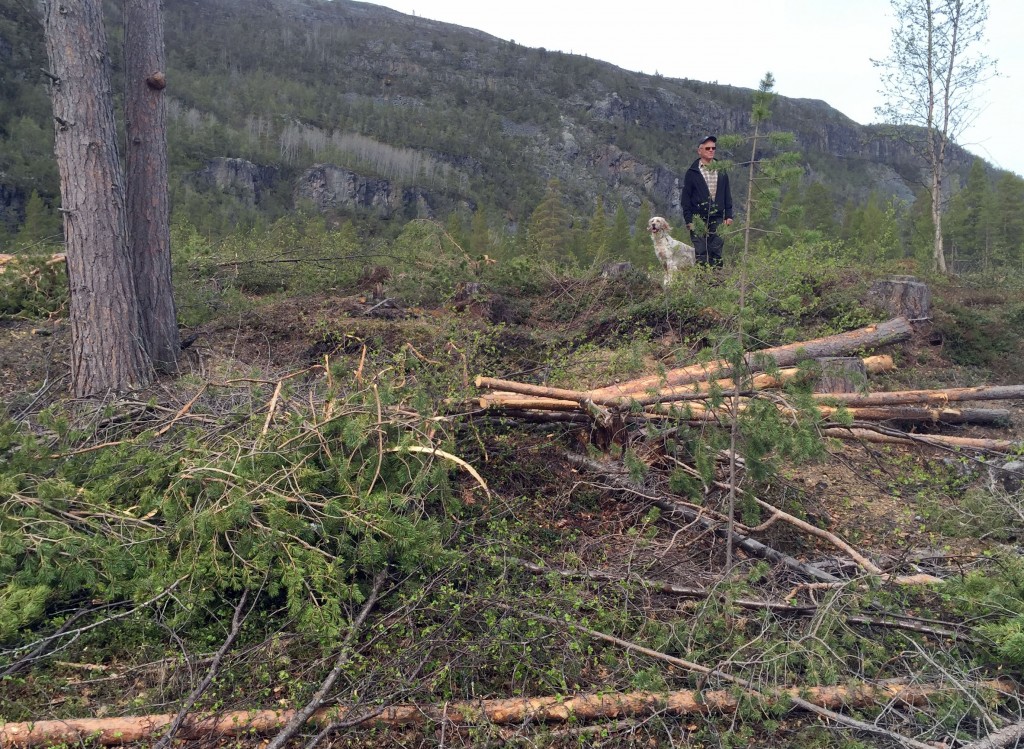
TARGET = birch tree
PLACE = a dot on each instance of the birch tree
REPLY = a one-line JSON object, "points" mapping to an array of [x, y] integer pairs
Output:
{"points": [[930, 81]]}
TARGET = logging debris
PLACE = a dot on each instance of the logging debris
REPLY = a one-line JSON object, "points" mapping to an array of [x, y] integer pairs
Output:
{"points": [[685, 393]]}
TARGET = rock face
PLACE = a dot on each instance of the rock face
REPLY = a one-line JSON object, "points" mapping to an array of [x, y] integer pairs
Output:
{"points": [[504, 119], [331, 187], [246, 181]]}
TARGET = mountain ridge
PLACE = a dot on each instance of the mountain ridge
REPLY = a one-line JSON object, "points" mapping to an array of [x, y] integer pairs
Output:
{"points": [[280, 83]]}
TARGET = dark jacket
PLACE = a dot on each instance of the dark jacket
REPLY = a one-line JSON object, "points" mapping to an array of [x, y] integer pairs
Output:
{"points": [[696, 200]]}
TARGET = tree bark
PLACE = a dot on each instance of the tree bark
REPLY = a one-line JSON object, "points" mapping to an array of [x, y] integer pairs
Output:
{"points": [[516, 401], [979, 416], [892, 331], [903, 295], [696, 391], [107, 352], [1005, 736], [841, 374], [935, 440], [937, 397], [146, 169]]}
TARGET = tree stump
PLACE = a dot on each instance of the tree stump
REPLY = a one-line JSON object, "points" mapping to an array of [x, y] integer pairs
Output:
{"points": [[616, 270], [841, 374], [902, 295]]}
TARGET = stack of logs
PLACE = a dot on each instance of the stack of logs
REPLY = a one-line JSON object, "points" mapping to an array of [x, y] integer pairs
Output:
{"points": [[841, 385]]}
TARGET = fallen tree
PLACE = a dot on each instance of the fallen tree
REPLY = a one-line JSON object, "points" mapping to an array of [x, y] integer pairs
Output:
{"points": [[893, 331], [871, 433], [515, 711], [909, 415], [696, 390], [940, 396]]}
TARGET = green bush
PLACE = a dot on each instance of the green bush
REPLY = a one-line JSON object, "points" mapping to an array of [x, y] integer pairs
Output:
{"points": [[33, 286], [304, 517]]}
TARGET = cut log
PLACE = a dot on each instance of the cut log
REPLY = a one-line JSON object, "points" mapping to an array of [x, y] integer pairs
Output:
{"points": [[541, 391], [500, 399], [760, 381], [841, 374], [514, 711], [892, 331], [902, 295], [910, 415], [697, 390], [996, 417], [1004, 737], [936, 440], [939, 397]]}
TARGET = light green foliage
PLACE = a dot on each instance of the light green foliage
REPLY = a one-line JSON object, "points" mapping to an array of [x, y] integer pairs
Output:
{"points": [[480, 240], [619, 239], [597, 234], [428, 265], [1008, 219], [42, 228], [296, 254], [300, 516], [970, 227], [642, 254], [33, 285], [550, 234], [997, 592], [26, 153], [872, 230]]}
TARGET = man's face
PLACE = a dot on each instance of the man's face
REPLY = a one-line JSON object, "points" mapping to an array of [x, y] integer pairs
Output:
{"points": [[706, 151]]}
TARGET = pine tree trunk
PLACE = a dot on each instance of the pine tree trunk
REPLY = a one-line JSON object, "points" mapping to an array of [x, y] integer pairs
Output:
{"points": [[107, 353], [146, 162], [935, 397]]}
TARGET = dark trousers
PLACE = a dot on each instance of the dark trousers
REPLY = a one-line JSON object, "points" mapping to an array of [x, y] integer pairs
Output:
{"points": [[708, 248]]}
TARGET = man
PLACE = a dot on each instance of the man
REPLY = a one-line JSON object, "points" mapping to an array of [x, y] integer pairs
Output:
{"points": [[706, 196]]}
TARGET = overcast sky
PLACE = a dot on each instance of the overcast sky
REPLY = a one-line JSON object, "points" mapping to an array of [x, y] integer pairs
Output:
{"points": [[816, 49]]}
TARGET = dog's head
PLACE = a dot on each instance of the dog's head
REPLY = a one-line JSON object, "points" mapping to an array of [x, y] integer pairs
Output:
{"points": [[656, 224]]}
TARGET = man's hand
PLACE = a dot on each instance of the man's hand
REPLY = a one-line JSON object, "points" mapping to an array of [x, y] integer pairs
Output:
{"points": [[728, 222]]}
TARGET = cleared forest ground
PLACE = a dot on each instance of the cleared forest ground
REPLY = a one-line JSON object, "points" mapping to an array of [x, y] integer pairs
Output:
{"points": [[321, 474]]}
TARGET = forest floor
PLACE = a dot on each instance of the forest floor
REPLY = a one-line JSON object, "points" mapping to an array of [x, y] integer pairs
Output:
{"points": [[902, 507]]}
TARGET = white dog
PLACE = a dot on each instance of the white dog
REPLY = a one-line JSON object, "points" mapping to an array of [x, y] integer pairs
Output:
{"points": [[672, 254]]}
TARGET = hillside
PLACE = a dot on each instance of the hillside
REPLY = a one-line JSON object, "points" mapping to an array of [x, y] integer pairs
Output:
{"points": [[364, 112]]}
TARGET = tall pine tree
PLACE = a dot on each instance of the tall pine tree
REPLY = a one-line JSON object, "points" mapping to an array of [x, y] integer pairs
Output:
{"points": [[968, 224], [550, 232]]}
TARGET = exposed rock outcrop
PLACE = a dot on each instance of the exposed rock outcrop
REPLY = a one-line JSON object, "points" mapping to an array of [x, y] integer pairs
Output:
{"points": [[246, 181], [331, 187]]}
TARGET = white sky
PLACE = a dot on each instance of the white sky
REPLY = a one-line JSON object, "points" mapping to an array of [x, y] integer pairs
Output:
{"points": [[816, 49]]}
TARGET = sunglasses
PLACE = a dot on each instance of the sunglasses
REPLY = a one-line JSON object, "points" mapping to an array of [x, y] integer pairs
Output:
{"points": [[710, 148]]}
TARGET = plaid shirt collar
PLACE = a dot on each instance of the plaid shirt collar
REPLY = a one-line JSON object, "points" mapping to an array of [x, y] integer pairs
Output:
{"points": [[711, 177]]}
